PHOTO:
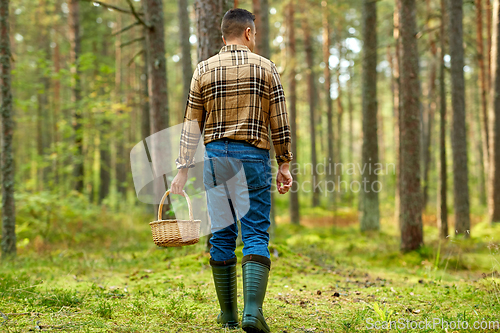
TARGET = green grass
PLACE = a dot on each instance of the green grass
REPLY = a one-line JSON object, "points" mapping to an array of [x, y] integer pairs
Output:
{"points": [[322, 280]]}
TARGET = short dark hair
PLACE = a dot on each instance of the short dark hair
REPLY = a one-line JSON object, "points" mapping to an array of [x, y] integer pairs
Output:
{"points": [[235, 22]]}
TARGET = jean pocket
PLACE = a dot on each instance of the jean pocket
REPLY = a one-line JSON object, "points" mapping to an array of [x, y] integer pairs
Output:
{"points": [[255, 173]]}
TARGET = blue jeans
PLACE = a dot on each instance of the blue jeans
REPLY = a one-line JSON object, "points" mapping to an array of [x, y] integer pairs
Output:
{"points": [[237, 179]]}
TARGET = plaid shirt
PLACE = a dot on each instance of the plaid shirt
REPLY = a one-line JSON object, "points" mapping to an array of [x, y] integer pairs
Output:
{"points": [[235, 94]]}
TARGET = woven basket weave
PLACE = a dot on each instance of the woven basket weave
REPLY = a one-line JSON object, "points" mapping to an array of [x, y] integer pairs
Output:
{"points": [[168, 233]]}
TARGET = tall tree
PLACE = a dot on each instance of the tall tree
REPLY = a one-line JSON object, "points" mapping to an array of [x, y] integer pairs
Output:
{"points": [[442, 214], [328, 84], [458, 133], [340, 107], [292, 100], [397, 109], [482, 85], [187, 69], [104, 143], [209, 14], [494, 174], [370, 208], [489, 27], [74, 21], [428, 124], [311, 98], [261, 12], [8, 201], [157, 65], [411, 197]]}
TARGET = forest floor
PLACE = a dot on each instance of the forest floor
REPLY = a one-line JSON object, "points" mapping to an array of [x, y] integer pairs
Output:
{"points": [[323, 279]]}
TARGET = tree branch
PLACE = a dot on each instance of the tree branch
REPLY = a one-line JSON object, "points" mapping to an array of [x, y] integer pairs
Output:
{"points": [[118, 9], [132, 8], [125, 29], [131, 41], [135, 56]]}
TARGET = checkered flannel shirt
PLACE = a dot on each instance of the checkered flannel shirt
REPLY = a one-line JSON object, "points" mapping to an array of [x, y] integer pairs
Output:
{"points": [[235, 94]]}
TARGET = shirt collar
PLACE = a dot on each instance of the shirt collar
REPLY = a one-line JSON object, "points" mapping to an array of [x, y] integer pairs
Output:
{"points": [[234, 47]]}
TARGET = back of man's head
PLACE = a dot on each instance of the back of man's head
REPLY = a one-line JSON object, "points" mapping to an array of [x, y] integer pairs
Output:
{"points": [[235, 22]]}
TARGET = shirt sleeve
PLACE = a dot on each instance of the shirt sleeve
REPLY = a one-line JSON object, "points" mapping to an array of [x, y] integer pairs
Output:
{"points": [[194, 122], [280, 128]]}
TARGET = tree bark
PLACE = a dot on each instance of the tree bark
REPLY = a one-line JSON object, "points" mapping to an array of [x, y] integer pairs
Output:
{"points": [[56, 108], [370, 213], [261, 12], [104, 145], [458, 133], [489, 16], [187, 69], [442, 211], [328, 84], [411, 197], [291, 66], [145, 126], [312, 105], [494, 174], [74, 20], [340, 113], [7, 165], [397, 110], [209, 14], [483, 85], [429, 120]]}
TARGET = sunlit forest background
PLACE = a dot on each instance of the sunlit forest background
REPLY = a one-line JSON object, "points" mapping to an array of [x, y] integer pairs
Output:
{"points": [[394, 102]]}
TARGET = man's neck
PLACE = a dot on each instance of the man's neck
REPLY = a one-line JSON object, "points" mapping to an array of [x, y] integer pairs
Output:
{"points": [[235, 42]]}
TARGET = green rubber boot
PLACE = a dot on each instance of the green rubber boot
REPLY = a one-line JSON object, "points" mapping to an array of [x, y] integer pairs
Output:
{"points": [[224, 273], [255, 275]]}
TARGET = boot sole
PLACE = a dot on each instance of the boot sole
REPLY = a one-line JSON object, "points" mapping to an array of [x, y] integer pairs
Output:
{"points": [[253, 325]]}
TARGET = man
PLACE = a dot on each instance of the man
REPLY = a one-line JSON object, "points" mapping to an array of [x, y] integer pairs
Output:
{"points": [[235, 96]]}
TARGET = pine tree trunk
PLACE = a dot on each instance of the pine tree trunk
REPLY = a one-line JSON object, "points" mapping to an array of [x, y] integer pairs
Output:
{"points": [[56, 109], [145, 126], [187, 69], [312, 105], [411, 197], [494, 174], [261, 12], [340, 113], [397, 111], [370, 208], [429, 121], [351, 122], [483, 86], [292, 100], [7, 161], [458, 133], [330, 158], [209, 14], [442, 211], [489, 26], [74, 20]]}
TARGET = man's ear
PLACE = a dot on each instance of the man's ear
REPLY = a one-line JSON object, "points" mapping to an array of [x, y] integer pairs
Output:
{"points": [[248, 32]]}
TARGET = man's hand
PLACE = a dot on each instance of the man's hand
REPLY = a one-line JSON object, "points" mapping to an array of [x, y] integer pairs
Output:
{"points": [[284, 179], [179, 181]]}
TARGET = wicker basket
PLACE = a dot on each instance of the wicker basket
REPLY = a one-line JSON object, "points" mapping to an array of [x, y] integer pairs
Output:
{"points": [[168, 233]]}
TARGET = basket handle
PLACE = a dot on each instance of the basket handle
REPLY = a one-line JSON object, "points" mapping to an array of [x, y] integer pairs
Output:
{"points": [[191, 218]]}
